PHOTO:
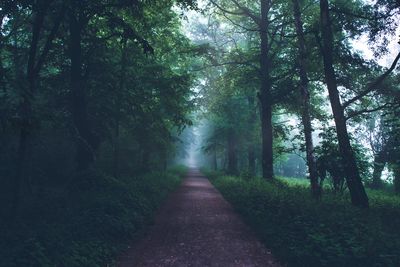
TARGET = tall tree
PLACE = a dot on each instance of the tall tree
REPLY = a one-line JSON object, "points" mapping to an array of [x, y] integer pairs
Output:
{"points": [[263, 24], [353, 179], [265, 93], [86, 141], [36, 58], [304, 90]]}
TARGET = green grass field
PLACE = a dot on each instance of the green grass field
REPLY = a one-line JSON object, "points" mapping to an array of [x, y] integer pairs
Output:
{"points": [[303, 232]]}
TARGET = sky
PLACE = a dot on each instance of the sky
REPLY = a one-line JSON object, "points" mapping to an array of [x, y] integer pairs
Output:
{"points": [[361, 44]]}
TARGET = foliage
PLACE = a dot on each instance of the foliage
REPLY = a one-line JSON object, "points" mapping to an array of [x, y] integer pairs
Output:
{"points": [[89, 227], [363, 87], [112, 93], [97, 96], [329, 160], [303, 232]]}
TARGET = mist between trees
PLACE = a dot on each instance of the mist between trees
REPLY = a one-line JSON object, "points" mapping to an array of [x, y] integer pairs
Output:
{"points": [[289, 79], [97, 95]]}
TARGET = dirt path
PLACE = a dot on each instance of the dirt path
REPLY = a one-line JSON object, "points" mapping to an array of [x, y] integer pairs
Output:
{"points": [[197, 227]]}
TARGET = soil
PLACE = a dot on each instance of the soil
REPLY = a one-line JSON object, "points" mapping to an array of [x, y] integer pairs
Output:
{"points": [[198, 227]]}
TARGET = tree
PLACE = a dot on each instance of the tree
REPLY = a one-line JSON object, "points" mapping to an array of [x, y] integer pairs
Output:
{"points": [[358, 195], [36, 58], [268, 30], [81, 78], [306, 117]]}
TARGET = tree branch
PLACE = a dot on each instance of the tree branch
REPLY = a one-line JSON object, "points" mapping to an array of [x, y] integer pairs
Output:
{"points": [[238, 25], [372, 86], [245, 63], [360, 16], [249, 13], [49, 40], [244, 11], [363, 111], [236, 13]]}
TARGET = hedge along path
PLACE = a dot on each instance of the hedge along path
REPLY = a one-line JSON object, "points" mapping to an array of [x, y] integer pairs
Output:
{"points": [[197, 227]]}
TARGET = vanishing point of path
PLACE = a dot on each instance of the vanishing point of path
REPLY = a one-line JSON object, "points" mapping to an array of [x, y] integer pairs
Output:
{"points": [[197, 227]]}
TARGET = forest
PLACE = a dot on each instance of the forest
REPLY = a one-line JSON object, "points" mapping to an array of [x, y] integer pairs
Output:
{"points": [[115, 113]]}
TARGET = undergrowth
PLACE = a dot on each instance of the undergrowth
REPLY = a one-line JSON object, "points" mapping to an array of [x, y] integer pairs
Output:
{"points": [[303, 232], [88, 227]]}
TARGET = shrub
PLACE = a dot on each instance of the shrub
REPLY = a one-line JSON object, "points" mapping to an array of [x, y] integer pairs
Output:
{"points": [[303, 232], [90, 225]]}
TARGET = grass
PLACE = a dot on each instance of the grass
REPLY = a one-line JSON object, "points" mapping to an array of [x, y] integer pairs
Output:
{"points": [[295, 181], [303, 232], [89, 227]]}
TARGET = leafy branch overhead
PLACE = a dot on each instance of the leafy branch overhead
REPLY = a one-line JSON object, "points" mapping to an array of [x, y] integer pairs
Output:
{"points": [[129, 33]]}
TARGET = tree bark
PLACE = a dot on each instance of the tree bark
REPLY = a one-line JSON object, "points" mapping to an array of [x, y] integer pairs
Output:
{"points": [[266, 96], [304, 90], [163, 152], [232, 156], [357, 192], [26, 108], [397, 183], [215, 158], [251, 150], [145, 164], [118, 107], [116, 149], [396, 179], [379, 164], [86, 143]]}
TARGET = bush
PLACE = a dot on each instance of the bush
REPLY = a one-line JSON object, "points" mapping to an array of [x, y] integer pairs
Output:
{"points": [[303, 232], [89, 226]]}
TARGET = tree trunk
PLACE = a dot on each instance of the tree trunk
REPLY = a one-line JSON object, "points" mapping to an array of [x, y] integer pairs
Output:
{"points": [[215, 158], [26, 112], [225, 160], [306, 117], [358, 195], [251, 150], [145, 165], [118, 107], [165, 159], [232, 157], [266, 97], [379, 165], [396, 179], [116, 149], [86, 142], [251, 160]]}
